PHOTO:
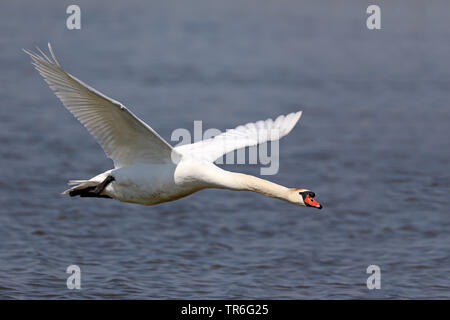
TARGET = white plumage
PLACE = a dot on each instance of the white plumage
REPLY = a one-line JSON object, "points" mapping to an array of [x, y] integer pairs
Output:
{"points": [[250, 134], [106, 119], [147, 170]]}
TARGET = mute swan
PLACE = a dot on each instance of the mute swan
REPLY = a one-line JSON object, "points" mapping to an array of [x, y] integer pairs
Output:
{"points": [[147, 170]]}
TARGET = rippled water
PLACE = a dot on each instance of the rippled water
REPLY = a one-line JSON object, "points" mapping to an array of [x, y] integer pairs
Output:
{"points": [[373, 143]]}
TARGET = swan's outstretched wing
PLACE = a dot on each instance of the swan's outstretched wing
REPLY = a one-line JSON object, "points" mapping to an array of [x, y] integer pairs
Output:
{"points": [[248, 135], [124, 137]]}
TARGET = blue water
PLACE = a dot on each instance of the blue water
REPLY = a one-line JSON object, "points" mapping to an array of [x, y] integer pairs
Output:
{"points": [[373, 143]]}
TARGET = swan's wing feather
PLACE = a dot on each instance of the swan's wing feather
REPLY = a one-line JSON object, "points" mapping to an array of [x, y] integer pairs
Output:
{"points": [[250, 134], [123, 136]]}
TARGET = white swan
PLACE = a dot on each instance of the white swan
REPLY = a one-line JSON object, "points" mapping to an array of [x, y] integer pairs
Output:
{"points": [[147, 170]]}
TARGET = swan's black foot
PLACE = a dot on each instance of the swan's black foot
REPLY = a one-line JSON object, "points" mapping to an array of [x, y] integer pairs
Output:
{"points": [[93, 191]]}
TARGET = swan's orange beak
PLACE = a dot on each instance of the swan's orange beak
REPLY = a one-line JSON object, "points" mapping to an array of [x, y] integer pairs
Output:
{"points": [[310, 201]]}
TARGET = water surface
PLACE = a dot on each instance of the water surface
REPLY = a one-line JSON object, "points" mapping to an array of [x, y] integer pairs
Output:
{"points": [[372, 143]]}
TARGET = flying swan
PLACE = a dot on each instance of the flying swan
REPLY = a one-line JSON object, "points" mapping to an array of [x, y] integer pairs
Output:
{"points": [[148, 170]]}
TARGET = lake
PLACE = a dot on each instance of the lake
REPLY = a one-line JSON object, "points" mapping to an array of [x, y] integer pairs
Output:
{"points": [[373, 143]]}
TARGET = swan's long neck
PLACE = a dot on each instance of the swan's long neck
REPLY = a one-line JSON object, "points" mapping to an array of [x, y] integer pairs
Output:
{"points": [[240, 181]]}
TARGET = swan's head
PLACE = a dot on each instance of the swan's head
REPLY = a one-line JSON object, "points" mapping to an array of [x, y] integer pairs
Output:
{"points": [[307, 198]]}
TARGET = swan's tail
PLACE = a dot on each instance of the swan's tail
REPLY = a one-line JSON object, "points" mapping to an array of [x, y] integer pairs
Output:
{"points": [[79, 185], [88, 188]]}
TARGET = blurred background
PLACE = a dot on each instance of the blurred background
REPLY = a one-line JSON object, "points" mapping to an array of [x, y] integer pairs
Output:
{"points": [[373, 143]]}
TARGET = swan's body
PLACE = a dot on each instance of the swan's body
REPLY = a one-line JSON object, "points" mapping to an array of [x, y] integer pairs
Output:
{"points": [[147, 170]]}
